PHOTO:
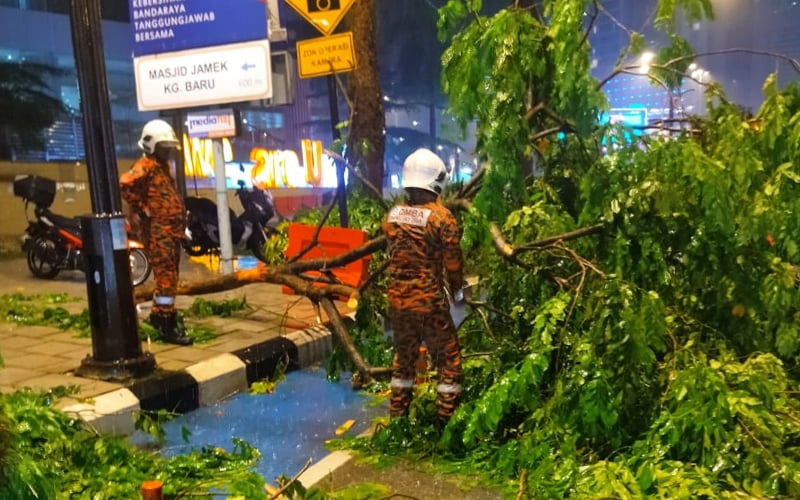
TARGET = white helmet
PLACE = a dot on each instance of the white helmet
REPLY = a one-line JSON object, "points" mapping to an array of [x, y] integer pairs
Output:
{"points": [[157, 131], [425, 170]]}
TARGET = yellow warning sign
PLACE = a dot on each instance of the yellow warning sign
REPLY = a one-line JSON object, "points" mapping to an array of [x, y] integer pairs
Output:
{"points": [[323, 14], [326, 55]]}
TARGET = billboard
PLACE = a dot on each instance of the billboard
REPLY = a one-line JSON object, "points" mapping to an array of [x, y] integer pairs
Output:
{"points": [[631, 117]]}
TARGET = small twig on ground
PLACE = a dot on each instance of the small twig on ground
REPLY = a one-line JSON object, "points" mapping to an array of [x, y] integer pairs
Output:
{"points": [[521, 492], [292, 480]]}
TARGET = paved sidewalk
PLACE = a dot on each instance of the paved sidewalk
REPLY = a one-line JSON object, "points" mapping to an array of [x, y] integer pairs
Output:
{"points": [[44, 357], [276, 328]]}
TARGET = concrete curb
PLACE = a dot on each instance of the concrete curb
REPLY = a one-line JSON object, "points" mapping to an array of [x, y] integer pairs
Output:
{"points": [[204, 383], [324, 468]]}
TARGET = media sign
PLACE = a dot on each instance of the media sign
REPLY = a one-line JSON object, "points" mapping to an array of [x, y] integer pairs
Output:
{"points": [[211, 124], [174, 25]]}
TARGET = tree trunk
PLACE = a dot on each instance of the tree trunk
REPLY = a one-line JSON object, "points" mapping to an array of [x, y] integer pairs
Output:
{"points": [[367, 120]]}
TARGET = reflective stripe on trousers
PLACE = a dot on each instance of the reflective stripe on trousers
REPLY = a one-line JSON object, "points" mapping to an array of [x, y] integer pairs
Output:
{"points": [[163, 301]]}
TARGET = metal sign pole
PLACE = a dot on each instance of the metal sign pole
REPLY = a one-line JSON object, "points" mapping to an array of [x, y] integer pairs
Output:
{"points": [[223, 212], [341, 188]]}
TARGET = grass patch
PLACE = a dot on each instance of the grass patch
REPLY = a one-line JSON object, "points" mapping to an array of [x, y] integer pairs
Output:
{"points": [[47, 310], [44, 310]]}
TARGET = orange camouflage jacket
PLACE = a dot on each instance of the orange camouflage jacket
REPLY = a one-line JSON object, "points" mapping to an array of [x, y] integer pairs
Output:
{"points": [[148, 187], [424, 254]]}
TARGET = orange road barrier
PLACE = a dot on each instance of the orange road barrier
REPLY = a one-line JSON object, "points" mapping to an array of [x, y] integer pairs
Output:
{"points": [[331, 241]]}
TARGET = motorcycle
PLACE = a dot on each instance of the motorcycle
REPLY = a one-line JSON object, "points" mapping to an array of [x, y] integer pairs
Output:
{"points": [[52, 242], [249, 229]]}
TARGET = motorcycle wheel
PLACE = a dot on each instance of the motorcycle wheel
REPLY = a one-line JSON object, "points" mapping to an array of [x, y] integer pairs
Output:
{"points": [[43, 258], [256, 244], [140, 266]]}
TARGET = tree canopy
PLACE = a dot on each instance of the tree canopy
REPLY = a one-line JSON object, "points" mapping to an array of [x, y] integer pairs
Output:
{"points": [[636, 333]]}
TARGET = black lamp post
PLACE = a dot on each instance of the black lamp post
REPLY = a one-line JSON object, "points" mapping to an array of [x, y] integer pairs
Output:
{"points": [[116, 348]]}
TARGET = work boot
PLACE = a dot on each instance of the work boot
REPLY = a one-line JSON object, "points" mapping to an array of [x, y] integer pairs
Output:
{"points": [[399, 401], [171, 332]]}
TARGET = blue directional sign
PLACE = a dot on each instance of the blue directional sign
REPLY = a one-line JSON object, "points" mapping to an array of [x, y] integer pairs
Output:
{"points": [[173, 25]]}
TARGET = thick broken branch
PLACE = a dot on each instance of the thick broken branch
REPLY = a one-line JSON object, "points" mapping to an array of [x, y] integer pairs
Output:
{"points": [[471, 188], [261, 274], [321, 290], [511, 253], [571, 235], [341, 260], [340, 330]]}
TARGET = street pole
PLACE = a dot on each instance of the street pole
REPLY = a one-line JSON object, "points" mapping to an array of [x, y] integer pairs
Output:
{"points": [[223, 210], [341, 189], [116, 348]]}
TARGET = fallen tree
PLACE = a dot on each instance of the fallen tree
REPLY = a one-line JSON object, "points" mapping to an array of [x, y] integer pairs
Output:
{"points": [[636, 335]]}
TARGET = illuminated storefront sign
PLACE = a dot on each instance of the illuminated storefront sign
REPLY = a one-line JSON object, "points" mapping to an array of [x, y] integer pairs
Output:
{"points": [[282, 168], [268, 168]]}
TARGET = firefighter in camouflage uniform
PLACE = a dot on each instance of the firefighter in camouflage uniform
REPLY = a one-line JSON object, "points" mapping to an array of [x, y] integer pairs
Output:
{"points": [[153, 197], [425, 266]]}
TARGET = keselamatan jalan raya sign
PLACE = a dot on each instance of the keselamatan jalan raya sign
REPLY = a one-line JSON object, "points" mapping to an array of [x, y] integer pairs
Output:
{"points": [[160, 26], [199, 77]]}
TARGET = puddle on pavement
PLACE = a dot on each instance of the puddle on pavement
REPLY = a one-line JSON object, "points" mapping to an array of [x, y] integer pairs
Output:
{"points": [[288, 427]]}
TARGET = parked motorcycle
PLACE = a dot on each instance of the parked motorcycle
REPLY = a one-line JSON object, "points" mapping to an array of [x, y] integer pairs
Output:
{"points": [[249, 229], [52, 243]]}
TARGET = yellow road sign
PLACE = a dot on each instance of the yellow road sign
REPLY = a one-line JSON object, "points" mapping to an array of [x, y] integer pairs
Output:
{"points": [[326, 55], [323, 14]]}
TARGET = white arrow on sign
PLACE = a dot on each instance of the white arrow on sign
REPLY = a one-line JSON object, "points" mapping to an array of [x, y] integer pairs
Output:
{"points": [[201, 77]]}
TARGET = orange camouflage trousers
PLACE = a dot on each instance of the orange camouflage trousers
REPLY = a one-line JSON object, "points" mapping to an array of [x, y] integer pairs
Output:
{"points": [[164, 252], [438, 332]]}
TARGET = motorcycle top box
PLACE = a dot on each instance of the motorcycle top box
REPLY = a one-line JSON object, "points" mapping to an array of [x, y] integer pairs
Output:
{"points": [[40, 190]]}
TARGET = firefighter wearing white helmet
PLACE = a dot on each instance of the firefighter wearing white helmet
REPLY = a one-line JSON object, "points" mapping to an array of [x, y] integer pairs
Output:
{"points": [[424, 261], [157, 132], [154, 200], [423, 169]]}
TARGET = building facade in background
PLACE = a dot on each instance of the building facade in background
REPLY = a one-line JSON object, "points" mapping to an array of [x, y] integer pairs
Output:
{"points": [[39, 31], [759, 28]]}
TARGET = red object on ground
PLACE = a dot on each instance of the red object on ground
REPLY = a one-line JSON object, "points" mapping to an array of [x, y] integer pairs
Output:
{"points": [[422, 365], [331, 241], [153, 490]]}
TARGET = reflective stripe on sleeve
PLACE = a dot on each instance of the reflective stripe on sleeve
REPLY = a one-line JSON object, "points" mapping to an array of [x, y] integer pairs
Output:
{"points": [[401, 383], [449, 388]]}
